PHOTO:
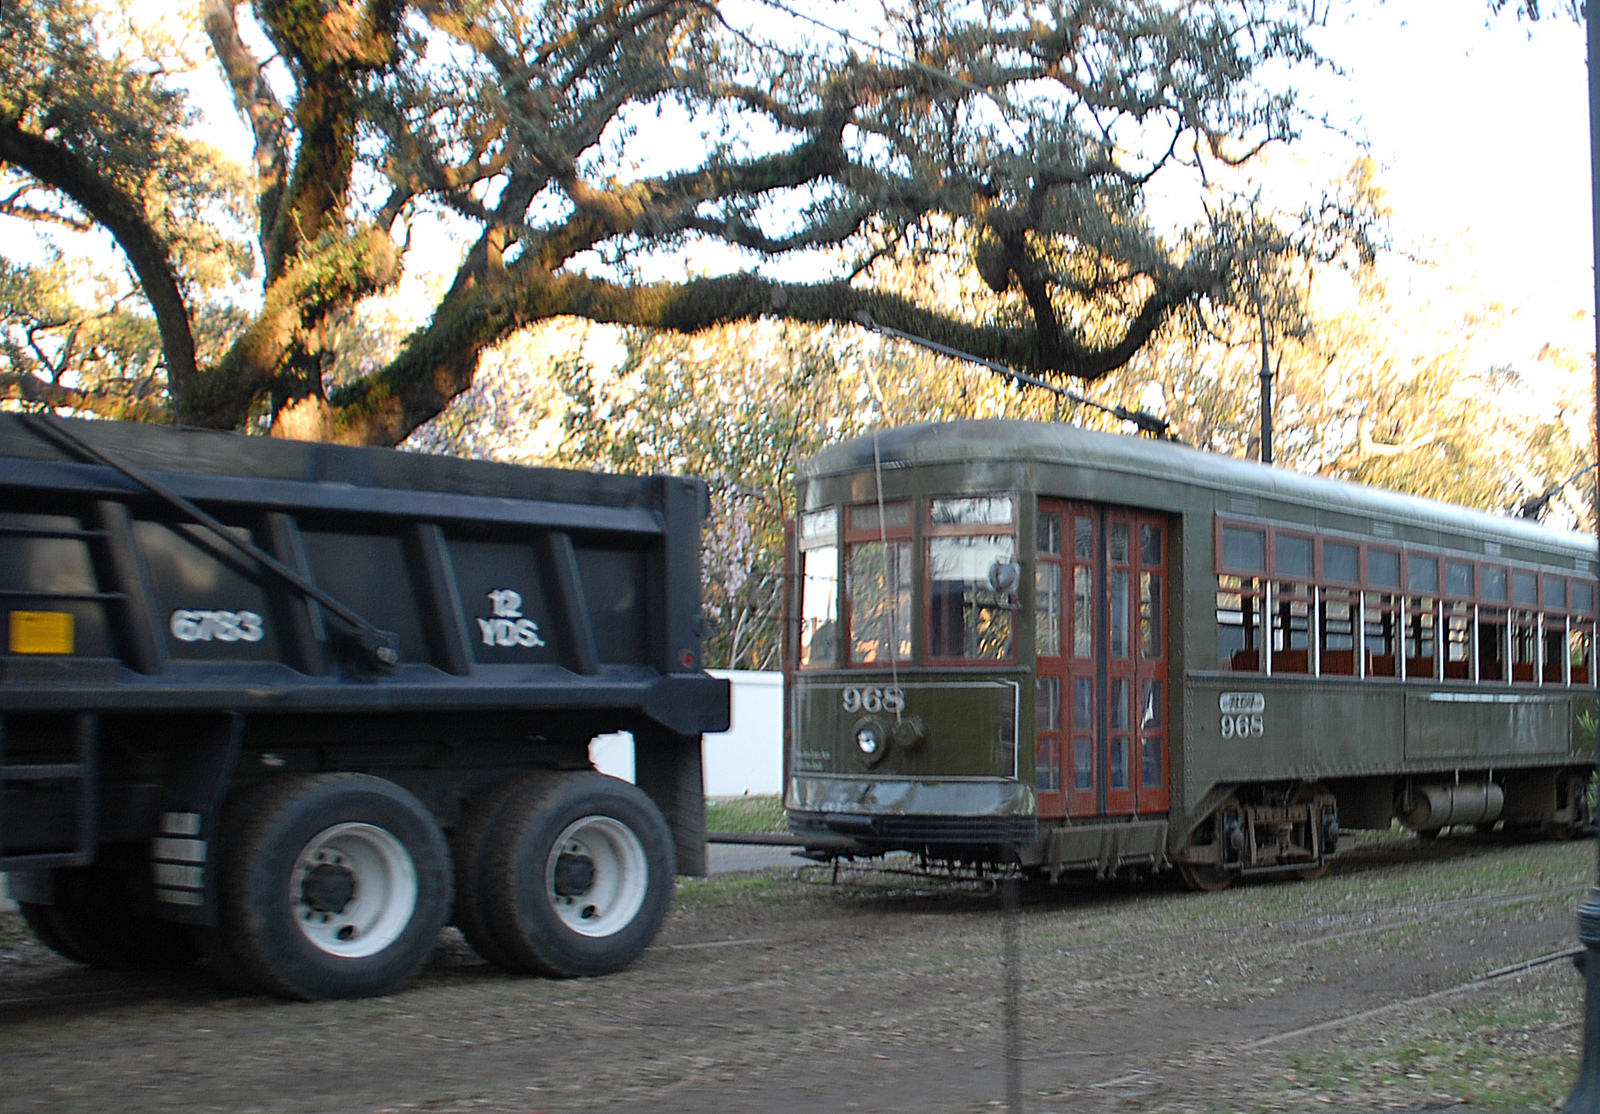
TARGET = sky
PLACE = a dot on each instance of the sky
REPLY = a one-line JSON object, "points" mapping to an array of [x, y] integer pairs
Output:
{"points": [[1479, 126]]}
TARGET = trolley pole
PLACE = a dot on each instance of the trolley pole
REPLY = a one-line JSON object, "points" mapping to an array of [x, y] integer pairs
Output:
{"points": [[1266, 382], [1586, 1093]]}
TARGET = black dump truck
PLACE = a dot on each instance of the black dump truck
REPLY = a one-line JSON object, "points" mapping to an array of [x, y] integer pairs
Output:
{"points": [[295, 707]]}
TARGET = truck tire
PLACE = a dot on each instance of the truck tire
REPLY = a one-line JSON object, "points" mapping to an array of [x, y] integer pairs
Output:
{"points": [[578, 875], [470, 847], [37, 918], [90, 924], [333, 886]]}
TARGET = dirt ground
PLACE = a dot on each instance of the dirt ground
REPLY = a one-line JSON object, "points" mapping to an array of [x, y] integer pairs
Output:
{"points": [[1386, 984]]}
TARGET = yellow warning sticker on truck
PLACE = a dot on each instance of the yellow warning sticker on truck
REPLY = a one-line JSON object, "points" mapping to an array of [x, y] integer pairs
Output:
{"points": [[41, 632]]}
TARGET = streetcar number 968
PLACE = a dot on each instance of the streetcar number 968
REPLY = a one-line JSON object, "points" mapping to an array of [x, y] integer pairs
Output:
{"points": [[873, 699], [1242, 726]]}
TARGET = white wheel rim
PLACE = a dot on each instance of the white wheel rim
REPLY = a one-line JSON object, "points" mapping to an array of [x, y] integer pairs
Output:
{"points": [[353, 890], [601, 886]]}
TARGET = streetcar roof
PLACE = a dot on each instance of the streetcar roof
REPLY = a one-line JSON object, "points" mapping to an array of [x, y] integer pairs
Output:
{"points": [[935, 443]]}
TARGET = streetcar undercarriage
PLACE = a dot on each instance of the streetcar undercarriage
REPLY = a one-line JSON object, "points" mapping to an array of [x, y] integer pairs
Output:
{"points": [[1244, 831]]}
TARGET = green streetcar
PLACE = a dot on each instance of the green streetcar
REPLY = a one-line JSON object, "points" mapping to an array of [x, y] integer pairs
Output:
{"points": [[1026, 644]]}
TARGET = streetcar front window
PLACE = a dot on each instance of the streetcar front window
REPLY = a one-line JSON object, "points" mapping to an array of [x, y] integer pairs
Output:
{"points": [[819, 589], [969, 616], [879, 584], [972, 578]]}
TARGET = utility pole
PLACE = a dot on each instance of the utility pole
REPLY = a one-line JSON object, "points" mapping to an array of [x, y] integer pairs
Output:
{"points": [[1586, 1093], [1266, 380]]}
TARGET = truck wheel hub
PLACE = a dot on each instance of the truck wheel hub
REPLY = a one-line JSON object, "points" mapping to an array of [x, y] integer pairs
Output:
{"points": [[574, 875], [328, 887]]}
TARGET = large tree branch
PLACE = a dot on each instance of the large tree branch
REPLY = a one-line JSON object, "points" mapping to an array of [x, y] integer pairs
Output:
{"points": [[327, 54], [131, 405], [123, 217], [439, 362], [253, 97], [332, 273]]}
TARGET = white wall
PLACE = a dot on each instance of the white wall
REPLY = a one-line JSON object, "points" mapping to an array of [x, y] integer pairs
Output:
{"points": [[745, 759]]}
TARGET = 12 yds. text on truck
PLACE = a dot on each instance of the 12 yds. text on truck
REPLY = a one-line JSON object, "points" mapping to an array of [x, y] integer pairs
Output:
{"points": [[312, 703]]}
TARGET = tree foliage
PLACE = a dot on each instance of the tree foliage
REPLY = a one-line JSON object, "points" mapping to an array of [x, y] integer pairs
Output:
{"points": [[1012, 142], [1371, 393], [94, 134]]}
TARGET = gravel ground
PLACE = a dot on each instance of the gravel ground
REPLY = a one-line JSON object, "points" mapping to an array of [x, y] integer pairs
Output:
{"points": [[784, 989]]}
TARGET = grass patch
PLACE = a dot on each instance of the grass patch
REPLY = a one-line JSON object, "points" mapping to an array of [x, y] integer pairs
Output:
{"points": [[730, 890], [1514, 1049], [14, 931], [747, 814]]}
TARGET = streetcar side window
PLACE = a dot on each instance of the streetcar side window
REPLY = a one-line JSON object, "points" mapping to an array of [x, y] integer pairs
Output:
{"points": [[1494, 635], [819, 588], [1458, 641], [1291, 603], [1524, 644], [1555, 656], [1239, 623], [1580, 635], [1580, 650], [1380, 634], [1493, 645], [1337, 632], [1422, 615]]}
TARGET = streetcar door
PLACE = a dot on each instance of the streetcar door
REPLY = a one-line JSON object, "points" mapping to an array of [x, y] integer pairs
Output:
{"points": [[1102, 698]]}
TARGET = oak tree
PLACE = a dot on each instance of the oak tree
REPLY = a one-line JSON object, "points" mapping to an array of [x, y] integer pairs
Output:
{"points": [[671, 164]]}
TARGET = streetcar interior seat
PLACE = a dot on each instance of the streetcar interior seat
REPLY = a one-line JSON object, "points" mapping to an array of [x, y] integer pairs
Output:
{"points": [[1339, 662], [1245, 661], [1522, 671], [1552, 672], [1457, 670], [1291, 661], [1380, 665], [1419, 667]]}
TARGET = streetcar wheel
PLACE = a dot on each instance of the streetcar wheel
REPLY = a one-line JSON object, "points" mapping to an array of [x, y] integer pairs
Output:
{"points": [[90, 924], [1205, 877], [335, 886], [578, 876]]}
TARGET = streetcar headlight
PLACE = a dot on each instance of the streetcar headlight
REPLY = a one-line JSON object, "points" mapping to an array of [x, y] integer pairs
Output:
{"points": [[872, 741]]}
